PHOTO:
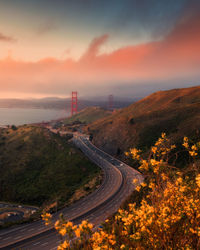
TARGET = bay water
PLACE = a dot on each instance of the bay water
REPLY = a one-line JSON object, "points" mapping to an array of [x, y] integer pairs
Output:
{"points": [[20, 116]]}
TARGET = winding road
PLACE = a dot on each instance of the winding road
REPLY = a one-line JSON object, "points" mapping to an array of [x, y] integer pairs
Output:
{"points": [[117, 185]]}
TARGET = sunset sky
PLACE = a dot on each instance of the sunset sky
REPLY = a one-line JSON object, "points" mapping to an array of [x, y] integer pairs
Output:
{"points": [[98, 47]]}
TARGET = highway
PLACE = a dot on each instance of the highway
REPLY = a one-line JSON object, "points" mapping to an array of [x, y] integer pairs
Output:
{"points": [[117, 185]]}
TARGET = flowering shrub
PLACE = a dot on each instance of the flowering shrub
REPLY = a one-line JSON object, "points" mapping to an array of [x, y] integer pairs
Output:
{"points": [[168, 216], [47, 218]]}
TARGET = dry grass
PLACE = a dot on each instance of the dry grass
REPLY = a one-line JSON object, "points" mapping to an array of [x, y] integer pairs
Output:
{"points": [[176, 112], [86, 189], [88, 115]]}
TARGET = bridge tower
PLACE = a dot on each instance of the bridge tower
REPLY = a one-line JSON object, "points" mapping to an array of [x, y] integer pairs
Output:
{"points": [[110, 102], [74, 103]]}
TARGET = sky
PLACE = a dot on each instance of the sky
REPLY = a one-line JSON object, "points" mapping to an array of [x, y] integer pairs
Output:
{"points": [[125, 48]]}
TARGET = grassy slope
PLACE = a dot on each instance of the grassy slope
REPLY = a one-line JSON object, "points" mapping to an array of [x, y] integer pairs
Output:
{"points": [[37, 166], [88, 115], [176, 112]]}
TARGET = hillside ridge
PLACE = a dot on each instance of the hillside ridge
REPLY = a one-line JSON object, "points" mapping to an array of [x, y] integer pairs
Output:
{"points": [[176, 112]]}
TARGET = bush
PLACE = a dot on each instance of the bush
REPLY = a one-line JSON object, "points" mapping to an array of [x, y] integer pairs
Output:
{"points": [[13, 127], [168, 216]]}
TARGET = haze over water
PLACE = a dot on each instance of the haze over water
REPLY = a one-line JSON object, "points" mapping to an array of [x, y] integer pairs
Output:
{"points": [[20, 116]]}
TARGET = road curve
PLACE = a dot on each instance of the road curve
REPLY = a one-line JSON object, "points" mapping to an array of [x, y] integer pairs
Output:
{"points": [[96, 207]]}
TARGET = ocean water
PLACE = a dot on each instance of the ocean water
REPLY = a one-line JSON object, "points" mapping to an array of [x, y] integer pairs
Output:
{"points": [[20, 116]]}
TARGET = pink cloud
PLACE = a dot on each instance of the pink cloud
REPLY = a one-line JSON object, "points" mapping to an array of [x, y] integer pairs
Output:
{"points": [[94, 48], [176, 56]]}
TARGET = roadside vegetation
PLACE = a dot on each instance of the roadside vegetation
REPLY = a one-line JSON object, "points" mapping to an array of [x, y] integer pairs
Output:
{"points": [[164, 212], [43, 169]]}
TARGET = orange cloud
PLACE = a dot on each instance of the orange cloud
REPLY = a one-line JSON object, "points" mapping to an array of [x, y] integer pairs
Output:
{"points": [[181, 47], [176, 56], [94, 48]]}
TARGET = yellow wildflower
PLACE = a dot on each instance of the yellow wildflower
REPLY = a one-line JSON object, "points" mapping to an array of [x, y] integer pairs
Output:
{"points": [[193, 153], [143, 184], [135, 153], [78, 232], [198, 180], [138, 188], [62, 231], [135, 181], [154, 149]]}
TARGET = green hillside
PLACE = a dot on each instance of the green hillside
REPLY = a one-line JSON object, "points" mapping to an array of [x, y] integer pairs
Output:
{"points": [[88, 115], [38, 167], [176, 112]]}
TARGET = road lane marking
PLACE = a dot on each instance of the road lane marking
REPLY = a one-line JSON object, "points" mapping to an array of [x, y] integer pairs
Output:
{"points": [[14, 229], [6, 238], [36, 243], [44, 244], [17, 237]]}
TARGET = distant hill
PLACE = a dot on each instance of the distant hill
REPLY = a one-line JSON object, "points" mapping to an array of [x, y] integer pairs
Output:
{"points": [[176, 112], [60, 103], [38, 167], [88, 115]]}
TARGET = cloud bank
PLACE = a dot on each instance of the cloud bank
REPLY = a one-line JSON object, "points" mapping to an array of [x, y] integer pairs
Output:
{"points": [[177, 56]]}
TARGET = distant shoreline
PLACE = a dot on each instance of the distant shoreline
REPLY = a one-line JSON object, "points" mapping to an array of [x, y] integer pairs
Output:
{"points": [[12, 107], [22, 116]]}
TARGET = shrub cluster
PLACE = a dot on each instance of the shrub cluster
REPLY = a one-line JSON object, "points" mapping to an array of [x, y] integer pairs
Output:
{"points": [[168, 216]]}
